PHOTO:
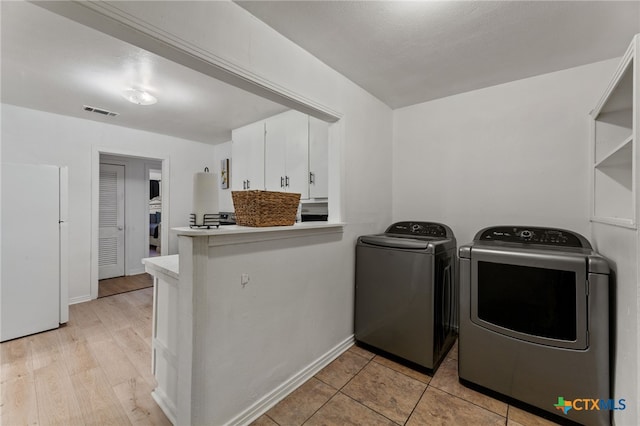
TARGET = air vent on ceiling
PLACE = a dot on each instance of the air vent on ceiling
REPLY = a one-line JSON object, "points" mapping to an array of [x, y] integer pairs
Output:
{"points": [[100, 111]]}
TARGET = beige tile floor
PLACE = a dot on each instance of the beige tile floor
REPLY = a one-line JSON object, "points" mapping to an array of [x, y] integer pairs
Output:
{"points": [[360, 388]]}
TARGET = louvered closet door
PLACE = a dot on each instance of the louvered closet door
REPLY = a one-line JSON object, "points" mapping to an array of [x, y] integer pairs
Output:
{"points": [[111, 236]]}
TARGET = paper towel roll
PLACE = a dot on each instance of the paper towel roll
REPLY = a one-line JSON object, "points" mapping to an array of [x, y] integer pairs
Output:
{"points": [[205, 195]]}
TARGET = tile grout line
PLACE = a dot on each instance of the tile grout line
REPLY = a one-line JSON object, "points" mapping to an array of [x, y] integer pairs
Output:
{"points": [[372, 359], [369, 361], [417, 403], [404, 374], [367, 407], [470, 402], [337, 390]]}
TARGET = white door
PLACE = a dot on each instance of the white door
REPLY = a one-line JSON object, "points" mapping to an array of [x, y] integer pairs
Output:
{"points": [[30, 290], [111, 222]]}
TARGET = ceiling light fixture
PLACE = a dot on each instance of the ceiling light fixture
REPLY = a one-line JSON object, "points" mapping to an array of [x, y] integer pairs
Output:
{"points": [[139, 97]]}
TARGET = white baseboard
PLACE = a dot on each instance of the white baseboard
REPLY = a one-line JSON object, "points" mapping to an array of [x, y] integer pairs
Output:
{"points": [[137, 271], [278, 394], [79, 299], [165, 404]]}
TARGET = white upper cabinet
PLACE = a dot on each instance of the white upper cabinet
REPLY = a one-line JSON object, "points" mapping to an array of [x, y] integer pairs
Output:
{"points": [[614, 151], [287, 153], [247, 157], [318, 158]]}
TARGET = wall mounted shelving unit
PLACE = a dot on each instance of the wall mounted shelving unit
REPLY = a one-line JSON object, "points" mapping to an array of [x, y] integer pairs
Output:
{"points": [[614, 140]]}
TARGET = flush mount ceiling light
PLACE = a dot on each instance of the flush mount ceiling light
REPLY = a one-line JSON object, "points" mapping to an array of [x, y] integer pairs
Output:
{"points": [[139, 97]]}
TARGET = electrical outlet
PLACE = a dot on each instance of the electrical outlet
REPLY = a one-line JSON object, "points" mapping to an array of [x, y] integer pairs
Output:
{"points": [[244, 279]]}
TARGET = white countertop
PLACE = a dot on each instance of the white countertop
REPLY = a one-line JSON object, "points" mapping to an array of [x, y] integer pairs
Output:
{"points": [[236, 229], [165, 264]]}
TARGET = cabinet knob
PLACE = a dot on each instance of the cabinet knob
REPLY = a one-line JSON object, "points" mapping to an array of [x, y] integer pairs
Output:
{"points": [[312, 178], [286, 181], [281, 182], [248, 184]]}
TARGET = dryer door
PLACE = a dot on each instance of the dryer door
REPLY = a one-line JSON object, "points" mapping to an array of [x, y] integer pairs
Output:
{"points": [[531, 295]]}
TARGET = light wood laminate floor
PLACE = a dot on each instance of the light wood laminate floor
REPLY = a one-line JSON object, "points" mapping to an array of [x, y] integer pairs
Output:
{"points": [[118, 285], [96, 370]]}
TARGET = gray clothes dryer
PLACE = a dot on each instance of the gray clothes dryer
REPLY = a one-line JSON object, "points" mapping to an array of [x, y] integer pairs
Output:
{"points": [[406, 292], [534, 321]]}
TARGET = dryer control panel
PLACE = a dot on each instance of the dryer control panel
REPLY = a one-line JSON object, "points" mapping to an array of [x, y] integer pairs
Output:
{"points": [[418, 229], [532, 235]]}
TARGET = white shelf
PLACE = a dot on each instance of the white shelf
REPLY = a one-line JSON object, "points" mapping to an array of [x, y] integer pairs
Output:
{"points": [[620, 156], [624, 223], [613, 146], [619, 92], [622, 94]]}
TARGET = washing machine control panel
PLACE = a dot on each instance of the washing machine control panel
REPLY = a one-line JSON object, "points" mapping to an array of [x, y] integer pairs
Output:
{"points": [[419, 229], [531, 235]]}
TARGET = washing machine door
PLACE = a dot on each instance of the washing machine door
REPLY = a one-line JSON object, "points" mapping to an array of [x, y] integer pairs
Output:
{"points": [[395, 241], [536, 296]]}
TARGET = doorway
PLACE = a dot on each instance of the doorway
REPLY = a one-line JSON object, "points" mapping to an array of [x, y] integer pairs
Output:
{"points": [[155, 212], [129, 194], [111, 217]]}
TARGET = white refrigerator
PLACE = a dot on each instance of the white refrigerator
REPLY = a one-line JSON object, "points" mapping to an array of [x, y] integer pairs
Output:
{"points": [[34, 271]]}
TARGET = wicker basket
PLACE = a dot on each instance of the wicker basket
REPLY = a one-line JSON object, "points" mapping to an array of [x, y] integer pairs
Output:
{"points": [[265, 208]]}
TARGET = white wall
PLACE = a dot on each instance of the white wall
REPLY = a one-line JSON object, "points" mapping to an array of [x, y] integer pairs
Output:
{"points": [[620, 246], [513, 154], [221, 152], [136, 220], [37, 137]]}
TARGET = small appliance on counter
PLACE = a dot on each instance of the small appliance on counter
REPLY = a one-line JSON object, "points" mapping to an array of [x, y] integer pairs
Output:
{"points": [[227, 218], [315, 212]]}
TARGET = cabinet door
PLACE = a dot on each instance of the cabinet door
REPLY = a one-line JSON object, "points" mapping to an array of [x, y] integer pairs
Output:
{"points": [[297, 154], [287, 153], [318, 158], [275, 143], [247, 157]]}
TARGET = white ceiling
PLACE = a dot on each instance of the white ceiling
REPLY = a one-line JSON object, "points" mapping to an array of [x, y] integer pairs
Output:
{"points": [[407, 52], [402, 52], [51, 63]]}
